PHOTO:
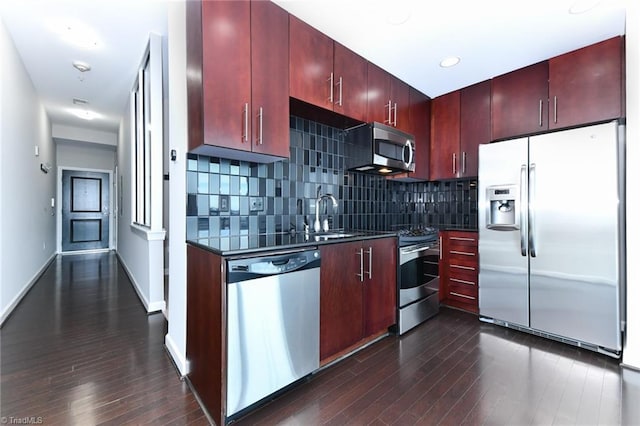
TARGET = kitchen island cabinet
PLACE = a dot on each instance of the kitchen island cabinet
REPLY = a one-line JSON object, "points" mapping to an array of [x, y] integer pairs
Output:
{"points": [[357, 294], [325, 73], [459, 269], [237, 109]]}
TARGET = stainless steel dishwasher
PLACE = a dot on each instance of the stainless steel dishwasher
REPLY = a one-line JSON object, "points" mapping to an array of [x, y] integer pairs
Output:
{"points": [[273, 328]]}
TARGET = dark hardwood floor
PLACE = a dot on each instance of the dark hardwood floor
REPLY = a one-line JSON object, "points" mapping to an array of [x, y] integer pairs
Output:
{"points": [[80, 349]]}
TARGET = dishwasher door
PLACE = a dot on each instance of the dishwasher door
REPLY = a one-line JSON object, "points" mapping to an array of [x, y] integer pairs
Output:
{"points": [[273, 327]]}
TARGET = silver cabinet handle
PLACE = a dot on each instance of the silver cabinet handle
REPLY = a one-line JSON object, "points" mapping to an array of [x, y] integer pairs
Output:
{"points": [[388, 106], [453, 168], [260, 115], [370, 253], [540, 113], [462, 281], [245, 135], [532, 208], [395, 114], [523, 201], [462, 295], [462, 239], [361, 274], [339, 92], [464, 162], [440, 247], [466, 268], [462, 253], [330, 80], [555, 109]]}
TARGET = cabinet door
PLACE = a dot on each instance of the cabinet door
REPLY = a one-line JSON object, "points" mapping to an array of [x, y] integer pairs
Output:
{"points": [[378, 95], [350, 83], [445, 136], [270, 78], [475, 125], [399, 94], [226, 73], [419, 127], [341, 302], [519, 102], [310, 65], [585, 85], [379, 285]]}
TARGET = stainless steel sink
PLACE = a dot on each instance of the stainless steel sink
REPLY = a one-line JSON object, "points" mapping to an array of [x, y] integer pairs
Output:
{"points": [[333, 235]]}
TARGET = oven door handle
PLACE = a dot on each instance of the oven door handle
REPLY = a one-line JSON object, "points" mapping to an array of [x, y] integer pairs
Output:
{"points": [[418, 250]]}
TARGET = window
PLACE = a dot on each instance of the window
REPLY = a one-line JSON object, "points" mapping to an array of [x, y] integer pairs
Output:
{"points": [[146, 129]]}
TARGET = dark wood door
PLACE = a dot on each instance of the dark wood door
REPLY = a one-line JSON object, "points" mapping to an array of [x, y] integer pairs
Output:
{"points": [[350, 83], [585, 85], [445, 136], [378, 95], [519, 102], [380, 288], [85, 210], [341, 299], [226, 73], [399, 94], [310, 65], [419, 127], [269, 78], [475, 125]]}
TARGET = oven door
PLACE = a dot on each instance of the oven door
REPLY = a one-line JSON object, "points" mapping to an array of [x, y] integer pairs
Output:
{"points": [[417, 272]]}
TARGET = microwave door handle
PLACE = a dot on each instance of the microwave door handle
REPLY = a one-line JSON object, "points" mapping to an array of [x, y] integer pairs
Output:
{"points": [[407, 145]]}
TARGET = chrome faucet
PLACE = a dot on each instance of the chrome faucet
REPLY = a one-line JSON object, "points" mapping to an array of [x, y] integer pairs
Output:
{"points": [[325, 224]]}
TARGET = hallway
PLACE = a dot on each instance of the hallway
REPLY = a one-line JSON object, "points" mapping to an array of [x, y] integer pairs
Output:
{"points": [[80, 349]]}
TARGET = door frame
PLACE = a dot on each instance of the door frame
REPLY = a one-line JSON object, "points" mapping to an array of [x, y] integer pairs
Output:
{"points": [[58, 208]]}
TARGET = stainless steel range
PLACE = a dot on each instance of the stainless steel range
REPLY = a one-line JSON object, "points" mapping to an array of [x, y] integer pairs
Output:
{"points": [[418, 278]]}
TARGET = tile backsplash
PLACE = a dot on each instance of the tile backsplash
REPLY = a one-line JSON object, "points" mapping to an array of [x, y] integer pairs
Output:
{"points": [[235, 198]]}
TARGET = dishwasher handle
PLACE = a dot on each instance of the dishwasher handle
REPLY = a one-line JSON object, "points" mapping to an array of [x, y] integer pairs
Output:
{"points": [[256, 267]]}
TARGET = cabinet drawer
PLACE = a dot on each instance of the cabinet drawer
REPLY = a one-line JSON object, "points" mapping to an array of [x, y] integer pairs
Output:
{"points": [[463, 293], [460, 238], [468, 277], [463, 262]]}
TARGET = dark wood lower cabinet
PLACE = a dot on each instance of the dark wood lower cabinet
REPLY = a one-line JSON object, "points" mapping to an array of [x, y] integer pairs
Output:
{"points": [[357, 294], [459, 270]]}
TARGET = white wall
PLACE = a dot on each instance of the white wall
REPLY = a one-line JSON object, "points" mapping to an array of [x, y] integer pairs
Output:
{"points": [[176, 339], [141, 249], [27, 227], [85, 155], [631, 352], [59, 131]]}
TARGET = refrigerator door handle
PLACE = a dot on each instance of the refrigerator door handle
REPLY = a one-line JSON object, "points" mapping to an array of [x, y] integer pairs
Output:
{"points": [[523, 203], [532, 208]]}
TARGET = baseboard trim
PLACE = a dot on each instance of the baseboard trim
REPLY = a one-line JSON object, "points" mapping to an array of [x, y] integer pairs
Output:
{"points": [[16, 300], [179, 359], [151, 308]]}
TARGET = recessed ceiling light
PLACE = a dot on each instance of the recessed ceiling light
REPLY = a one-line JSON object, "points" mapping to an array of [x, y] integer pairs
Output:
{"points": [[85, 114], [399, 14], [78, 101], [81, 66], [583, 6], [449, 61]]}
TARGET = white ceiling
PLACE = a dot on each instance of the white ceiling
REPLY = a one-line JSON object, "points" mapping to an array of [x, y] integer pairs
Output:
{"points": [[491, 37]]}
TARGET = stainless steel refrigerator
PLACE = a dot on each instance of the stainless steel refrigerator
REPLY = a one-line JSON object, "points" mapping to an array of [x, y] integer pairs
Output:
{"points": [[551, 235]]}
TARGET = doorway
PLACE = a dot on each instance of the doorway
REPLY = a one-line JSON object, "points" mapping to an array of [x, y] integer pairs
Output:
{"points": [[86, 213]]}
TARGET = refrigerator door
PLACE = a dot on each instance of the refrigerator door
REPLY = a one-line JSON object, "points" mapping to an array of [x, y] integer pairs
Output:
{"points": [[502, 245], [574, 247]]}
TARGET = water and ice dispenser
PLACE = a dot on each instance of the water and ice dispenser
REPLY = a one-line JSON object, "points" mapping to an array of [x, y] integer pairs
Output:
{"points": [[502, 209]]}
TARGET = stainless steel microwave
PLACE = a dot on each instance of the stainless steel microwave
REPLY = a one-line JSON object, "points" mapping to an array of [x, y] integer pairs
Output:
{"points": [[378, 148]]}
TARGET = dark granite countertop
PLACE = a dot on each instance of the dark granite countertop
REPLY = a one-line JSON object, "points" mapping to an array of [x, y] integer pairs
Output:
{"points": [[240, 245], [457, 228]]}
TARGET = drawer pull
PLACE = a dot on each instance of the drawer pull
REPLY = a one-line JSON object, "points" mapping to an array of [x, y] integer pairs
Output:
{"points": [[462, 239], [463, 281], [464, 253], [453, 293], [467, 268]]}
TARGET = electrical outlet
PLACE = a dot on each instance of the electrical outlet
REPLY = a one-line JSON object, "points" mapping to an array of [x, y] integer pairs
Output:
{"points": [[256, 204]]}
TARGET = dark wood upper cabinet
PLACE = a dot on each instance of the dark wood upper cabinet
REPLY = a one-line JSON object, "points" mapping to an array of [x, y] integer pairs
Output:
{"points": [[475, 125], [586, 85], [237, 109], [349, 83], [419, 126], [378, 94], [399, 94], [519, 102], [445, 136], [310, 65]]}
